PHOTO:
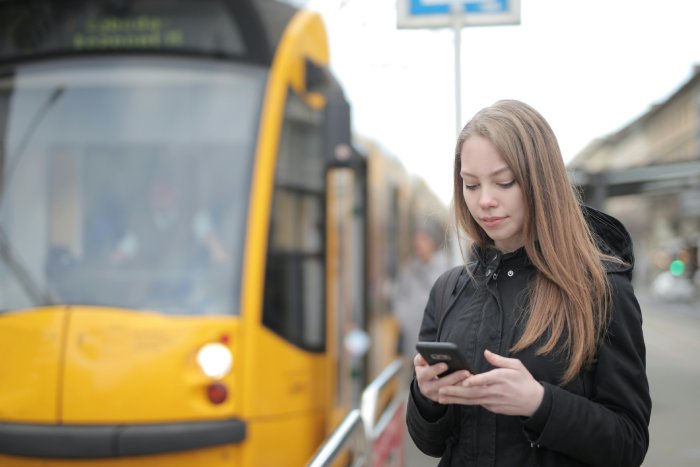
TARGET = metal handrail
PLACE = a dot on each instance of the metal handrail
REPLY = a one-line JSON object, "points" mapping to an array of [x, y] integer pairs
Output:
{"points": [[362, 422], [396, 404], [370, 398], [351, 425]]}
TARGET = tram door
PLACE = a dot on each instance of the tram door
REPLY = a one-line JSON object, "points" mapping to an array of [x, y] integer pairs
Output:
{"points": [[348, 341], [346, 262]]}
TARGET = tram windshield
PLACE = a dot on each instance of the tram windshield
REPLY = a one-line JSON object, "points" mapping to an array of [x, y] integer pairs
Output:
{"points": [[124, 182]]}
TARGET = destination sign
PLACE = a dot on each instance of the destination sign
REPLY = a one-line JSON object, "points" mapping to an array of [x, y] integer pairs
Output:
{"points": [[46, 27]]}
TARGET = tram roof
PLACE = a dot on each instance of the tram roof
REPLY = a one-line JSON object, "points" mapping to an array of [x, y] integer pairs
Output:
{"points": [[240, 30]]}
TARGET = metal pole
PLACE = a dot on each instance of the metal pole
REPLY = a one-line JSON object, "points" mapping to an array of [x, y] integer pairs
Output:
{"points": [[456, 9]]}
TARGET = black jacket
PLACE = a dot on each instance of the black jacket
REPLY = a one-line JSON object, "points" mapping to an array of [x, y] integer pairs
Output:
{"points": [[600, 418]]}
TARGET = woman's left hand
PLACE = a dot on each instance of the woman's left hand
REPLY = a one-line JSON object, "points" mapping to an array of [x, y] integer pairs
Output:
{"points": [[509, 389]]}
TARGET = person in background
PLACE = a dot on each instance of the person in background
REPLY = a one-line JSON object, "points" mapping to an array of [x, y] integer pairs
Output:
{"points": [[415, 281], [545, 313], [167, 228]]}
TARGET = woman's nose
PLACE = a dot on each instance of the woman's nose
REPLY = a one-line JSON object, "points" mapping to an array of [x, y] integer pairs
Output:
{"points": [[487, 200]]}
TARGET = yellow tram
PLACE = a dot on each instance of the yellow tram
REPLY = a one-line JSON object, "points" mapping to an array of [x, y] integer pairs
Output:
{"points": [[187, 236]]}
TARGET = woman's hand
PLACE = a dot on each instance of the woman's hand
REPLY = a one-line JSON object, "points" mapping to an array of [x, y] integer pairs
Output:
{"points": [[429, 382], [509, 389]]}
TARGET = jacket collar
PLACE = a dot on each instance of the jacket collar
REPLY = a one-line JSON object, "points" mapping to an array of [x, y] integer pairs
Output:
{"points": [[610, 235]]}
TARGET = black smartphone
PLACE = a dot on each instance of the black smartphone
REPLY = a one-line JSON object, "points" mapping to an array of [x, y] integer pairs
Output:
{"points": [[448, 352]]}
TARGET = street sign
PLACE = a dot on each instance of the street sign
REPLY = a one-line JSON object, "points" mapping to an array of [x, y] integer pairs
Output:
{"points": [[438, 13]]}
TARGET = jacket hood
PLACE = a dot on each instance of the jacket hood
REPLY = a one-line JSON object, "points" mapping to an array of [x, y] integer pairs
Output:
{"points": [[612, 238]]}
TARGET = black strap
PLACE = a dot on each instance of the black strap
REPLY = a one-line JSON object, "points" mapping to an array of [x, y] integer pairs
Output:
{"points": [[446, 291]]}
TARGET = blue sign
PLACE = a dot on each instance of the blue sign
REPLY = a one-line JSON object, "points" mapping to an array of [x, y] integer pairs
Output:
{"points": [[439, 13], [421, 7]]}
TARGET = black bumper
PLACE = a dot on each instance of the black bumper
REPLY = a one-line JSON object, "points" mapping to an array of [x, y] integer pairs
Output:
{"points": [[105, 441]]}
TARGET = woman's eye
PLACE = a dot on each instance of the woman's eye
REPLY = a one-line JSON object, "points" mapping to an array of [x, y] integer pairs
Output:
{"points": [[507, 184], [470, 187]]}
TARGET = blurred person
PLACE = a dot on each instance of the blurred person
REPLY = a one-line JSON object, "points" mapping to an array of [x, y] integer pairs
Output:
{"points": [[167, 227], [414, 282], [545, 313]]}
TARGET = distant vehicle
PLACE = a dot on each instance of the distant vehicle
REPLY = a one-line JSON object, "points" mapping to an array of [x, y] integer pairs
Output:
{"points": [[666, 286]]}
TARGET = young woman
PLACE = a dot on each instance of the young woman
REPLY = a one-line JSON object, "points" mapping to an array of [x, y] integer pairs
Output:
{"points": [[545, 313]]}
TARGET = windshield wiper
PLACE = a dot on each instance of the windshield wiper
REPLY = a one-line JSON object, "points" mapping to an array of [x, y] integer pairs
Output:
{"points": [[21, 272], [13, 160]]}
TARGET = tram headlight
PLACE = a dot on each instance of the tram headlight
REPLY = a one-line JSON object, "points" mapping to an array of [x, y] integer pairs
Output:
{"points": [[215, 360]]}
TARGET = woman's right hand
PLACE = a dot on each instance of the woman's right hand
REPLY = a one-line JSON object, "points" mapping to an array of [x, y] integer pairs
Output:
{"points": [[428, 379]]}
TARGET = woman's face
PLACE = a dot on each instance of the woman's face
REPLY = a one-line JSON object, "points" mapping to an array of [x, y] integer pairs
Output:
{"points": [[493, 197]]}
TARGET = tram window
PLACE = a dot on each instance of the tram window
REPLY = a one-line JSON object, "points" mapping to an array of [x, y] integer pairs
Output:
{"points": [[131, 189], [23, 284], [393, 232], [294, 278]]}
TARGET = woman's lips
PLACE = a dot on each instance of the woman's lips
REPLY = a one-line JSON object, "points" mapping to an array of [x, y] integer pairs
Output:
{"points": [[491, 221]]}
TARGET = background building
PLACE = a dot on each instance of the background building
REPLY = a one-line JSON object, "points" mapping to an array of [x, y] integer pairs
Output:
{"points": [[648, 175]]}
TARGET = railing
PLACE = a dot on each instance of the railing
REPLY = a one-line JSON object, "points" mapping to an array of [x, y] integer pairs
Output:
{"points": [[350, 428], [370, 399], [361, 427]]}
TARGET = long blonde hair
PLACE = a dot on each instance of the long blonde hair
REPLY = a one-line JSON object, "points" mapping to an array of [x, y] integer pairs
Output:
{"points": [[569, 297]]}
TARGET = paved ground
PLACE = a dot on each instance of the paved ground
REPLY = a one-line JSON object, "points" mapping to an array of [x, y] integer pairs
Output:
{"points": [[672, 333]]}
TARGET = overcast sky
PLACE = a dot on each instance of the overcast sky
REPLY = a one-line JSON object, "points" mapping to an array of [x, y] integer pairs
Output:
{"points": [[589, 66]]}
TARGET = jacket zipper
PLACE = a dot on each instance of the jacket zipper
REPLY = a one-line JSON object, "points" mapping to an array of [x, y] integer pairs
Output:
{"points": [[536, 449]]}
